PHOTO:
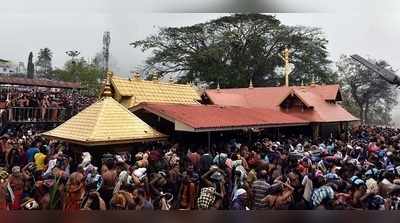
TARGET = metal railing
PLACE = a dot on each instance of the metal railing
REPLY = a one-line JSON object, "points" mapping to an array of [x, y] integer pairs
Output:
{"points": [[37, 114]]}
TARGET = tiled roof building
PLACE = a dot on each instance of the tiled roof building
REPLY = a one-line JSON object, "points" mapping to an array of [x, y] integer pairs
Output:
{"points": [[131, 92], [315, 103], [103, 123]]}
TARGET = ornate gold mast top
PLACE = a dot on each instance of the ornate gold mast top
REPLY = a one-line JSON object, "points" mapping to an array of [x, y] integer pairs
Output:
{"points": [[285, 58]]}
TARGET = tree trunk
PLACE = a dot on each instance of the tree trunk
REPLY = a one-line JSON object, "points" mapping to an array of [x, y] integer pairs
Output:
{"points": [[362, 114], [366, 118]]}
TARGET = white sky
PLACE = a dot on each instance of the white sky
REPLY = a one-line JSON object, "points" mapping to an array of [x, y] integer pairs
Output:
{"points": [[365, 34], [369, 28]]}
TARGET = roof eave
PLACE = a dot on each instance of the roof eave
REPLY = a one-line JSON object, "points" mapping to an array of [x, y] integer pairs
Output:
{"points": [[105, 142], [229, 128]]}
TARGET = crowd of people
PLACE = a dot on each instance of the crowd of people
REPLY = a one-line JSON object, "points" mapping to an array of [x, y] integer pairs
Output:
{"points": [[360, 171], [27, 104]]}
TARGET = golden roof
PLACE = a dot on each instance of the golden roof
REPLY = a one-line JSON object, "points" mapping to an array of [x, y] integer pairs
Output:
{"points": [[135, 91], [104, 122]]}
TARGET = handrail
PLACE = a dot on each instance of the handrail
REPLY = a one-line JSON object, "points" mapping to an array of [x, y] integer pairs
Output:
{"points": [[38, 114]]}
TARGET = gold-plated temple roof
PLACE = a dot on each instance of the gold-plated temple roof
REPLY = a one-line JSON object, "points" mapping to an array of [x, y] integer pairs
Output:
{"points": [[103, 123], [135, 91]]}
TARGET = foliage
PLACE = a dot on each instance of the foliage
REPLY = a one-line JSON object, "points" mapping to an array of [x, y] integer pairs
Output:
{"points": [[233, 49], [80, 70], [43, 61], [366, 94], [31, 66], [54, 195]]}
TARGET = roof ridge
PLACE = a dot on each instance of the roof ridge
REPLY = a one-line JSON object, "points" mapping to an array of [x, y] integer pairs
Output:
{"points": [[298, 93], [74, 116], [136, 117], [98, 114], [155, 83]]}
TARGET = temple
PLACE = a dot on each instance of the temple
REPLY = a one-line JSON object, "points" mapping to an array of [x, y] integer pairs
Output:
{"points": [[131, 92], [106, 122], [160, 108], [319, 105]]}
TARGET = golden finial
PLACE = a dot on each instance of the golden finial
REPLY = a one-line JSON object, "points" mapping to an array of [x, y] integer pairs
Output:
{"points": [[251, 83], [313, 81], [107, 86], [303, 88]]}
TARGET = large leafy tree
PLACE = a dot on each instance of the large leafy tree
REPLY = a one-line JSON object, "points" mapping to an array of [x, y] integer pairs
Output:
{"points": [[233, 49], [88, 73], [43, 61], [367, 95], [31, 66]]}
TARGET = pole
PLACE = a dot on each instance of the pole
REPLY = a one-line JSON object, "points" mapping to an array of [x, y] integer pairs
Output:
{"points": [[285, 58], [209, 140], [106, 52], [250, 133]]}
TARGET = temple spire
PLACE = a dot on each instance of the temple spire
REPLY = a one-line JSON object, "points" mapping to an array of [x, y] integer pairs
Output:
{"points": [[107, 86], [302, 86], [155, 77], [313, 81]]}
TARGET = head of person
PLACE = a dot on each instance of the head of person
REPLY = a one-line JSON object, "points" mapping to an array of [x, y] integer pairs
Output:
{"points": [[38, 143], [319, 181], [4, 137], [244, 151], [108, 161], [216, 177], [16, 171], [138, 194], [190, 168], [118, 201], [262, 174], [43, 149], [358, 184]]}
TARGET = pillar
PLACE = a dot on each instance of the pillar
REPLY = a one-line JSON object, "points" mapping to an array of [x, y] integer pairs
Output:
{"points": [[315, 131], [209, 140]]}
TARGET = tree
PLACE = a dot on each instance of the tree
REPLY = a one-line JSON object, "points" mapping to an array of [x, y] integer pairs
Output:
{"points": [[366, 94], [44, 61], [233, 49], [31, 66], [89, 74]]}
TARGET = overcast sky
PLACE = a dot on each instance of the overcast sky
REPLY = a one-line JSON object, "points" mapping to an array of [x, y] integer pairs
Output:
{"points": [[368, 28]]}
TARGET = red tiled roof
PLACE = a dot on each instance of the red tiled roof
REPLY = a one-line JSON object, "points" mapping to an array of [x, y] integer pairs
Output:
{"points": [[315, 97], [40, 83], [214, 117]]}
